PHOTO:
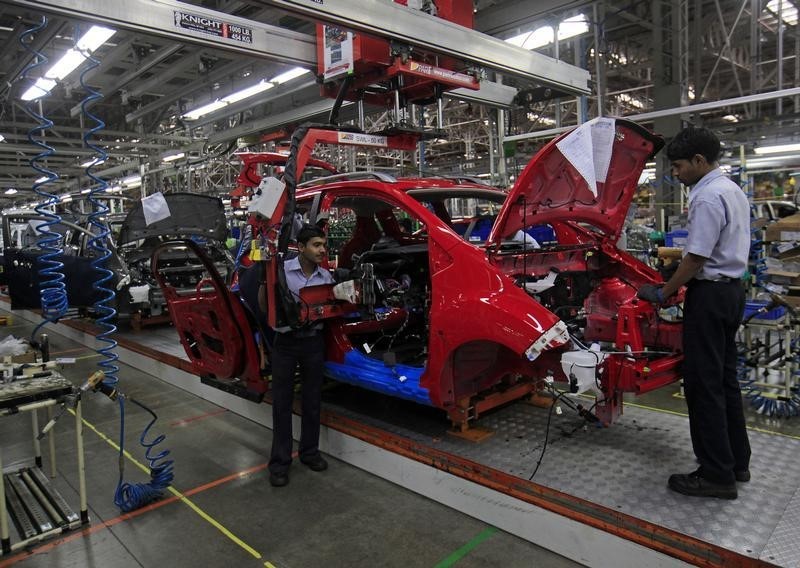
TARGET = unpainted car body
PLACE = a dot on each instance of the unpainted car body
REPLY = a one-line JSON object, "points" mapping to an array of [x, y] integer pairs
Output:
{"points": [[131, 243]]}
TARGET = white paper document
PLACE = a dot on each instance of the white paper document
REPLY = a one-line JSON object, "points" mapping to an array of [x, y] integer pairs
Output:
{"points": [[588, 148], [155, 208]]}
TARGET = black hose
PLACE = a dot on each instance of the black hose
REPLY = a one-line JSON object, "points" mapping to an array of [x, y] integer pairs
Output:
{"points": [[333, 117]]}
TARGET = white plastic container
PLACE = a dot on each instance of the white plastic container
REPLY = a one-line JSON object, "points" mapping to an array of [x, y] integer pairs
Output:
{"points": [[583, 365]]}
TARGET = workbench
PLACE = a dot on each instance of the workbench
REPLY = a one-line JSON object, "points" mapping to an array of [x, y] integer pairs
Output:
{"points": [[37, 509]]}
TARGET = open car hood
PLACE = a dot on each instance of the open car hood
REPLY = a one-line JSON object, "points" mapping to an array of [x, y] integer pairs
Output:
{"points": [[191, 214], [556, 185]]}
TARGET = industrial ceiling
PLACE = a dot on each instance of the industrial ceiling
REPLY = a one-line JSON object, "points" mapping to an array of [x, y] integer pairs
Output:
{"points": [[643, 56]]}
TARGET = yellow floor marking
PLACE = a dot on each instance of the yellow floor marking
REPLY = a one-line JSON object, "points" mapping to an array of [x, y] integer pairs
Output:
{"points": [[205, 516]]}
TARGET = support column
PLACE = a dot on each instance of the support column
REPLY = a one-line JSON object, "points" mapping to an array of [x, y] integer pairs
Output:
{"points": [[667, 94], [599, 65], [754, 55]]}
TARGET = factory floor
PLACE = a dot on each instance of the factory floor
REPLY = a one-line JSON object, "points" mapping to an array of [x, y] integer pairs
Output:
{"points": [[670, 399], [221, 510]]}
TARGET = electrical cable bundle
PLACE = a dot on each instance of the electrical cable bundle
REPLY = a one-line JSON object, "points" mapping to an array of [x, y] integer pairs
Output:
{"points": [[52, 286], [586, 414]]}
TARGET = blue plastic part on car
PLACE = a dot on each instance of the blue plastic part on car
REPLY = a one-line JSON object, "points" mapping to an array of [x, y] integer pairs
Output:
{"points": [[400, 381], [544, 234]]}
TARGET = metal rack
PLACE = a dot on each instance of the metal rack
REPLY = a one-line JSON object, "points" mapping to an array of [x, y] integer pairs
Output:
{"points": [[776, 361]]}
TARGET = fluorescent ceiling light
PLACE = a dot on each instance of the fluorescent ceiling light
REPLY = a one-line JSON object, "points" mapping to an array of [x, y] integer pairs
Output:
{"points": [[647, 175], [42, 179], [11, 191], [2, 137], [64, 66], [92, 162], [758, 162], [39, 89], [173, 157], [788, 13], [203, 110], [246, 93], [91, 40], [777, 149], [132, 181], [85, 191], [543, 36], [289, 75], [94, 38]]}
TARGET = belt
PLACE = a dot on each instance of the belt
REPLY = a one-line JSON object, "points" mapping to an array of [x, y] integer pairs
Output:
{"points": [[299, 333], [719, 280]]}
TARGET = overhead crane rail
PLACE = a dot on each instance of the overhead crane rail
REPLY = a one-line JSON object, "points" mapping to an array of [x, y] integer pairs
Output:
{"points": [[198, 25]]}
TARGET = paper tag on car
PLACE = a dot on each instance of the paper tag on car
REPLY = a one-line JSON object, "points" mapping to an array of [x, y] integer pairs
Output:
{"points": [[345, 291], [155, 208]]}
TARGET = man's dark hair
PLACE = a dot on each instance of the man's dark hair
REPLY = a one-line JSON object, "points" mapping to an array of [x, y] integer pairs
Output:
{"points": [[308, 232], [692, 141]]}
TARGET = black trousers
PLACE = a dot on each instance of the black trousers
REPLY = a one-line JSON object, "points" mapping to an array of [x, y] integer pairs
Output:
{"points": [[712, 314], [289, 351]]}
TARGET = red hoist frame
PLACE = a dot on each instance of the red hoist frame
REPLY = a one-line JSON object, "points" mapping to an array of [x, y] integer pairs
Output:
{"points": [[317, 300], [411, 74]]}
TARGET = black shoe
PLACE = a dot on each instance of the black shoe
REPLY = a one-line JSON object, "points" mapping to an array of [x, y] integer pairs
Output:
{"points": [[742, 475], [315, 463], [695, 486], [278, 479]]}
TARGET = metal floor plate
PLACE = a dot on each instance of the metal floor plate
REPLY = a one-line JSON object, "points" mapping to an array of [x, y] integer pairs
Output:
{"points": [[625, 467], [782, 547]]}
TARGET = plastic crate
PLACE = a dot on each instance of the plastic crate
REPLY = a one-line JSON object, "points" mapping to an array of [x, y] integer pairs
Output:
{"points": [[752, 307], [676, 238]]}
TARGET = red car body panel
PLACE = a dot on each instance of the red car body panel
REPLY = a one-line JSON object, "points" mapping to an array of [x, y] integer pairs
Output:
{"points": [[476, 329], [550, 188]]}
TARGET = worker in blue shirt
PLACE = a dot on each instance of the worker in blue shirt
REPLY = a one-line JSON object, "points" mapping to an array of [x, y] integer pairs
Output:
{"points": [[714, 261], [305, 348]]}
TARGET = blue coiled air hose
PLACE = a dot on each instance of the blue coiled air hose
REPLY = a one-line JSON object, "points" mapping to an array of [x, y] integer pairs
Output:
{"points": [[128, 497], [52, 286]]}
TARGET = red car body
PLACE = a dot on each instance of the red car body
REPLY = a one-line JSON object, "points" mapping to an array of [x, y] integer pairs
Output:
{"points": [[465, 326]]}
